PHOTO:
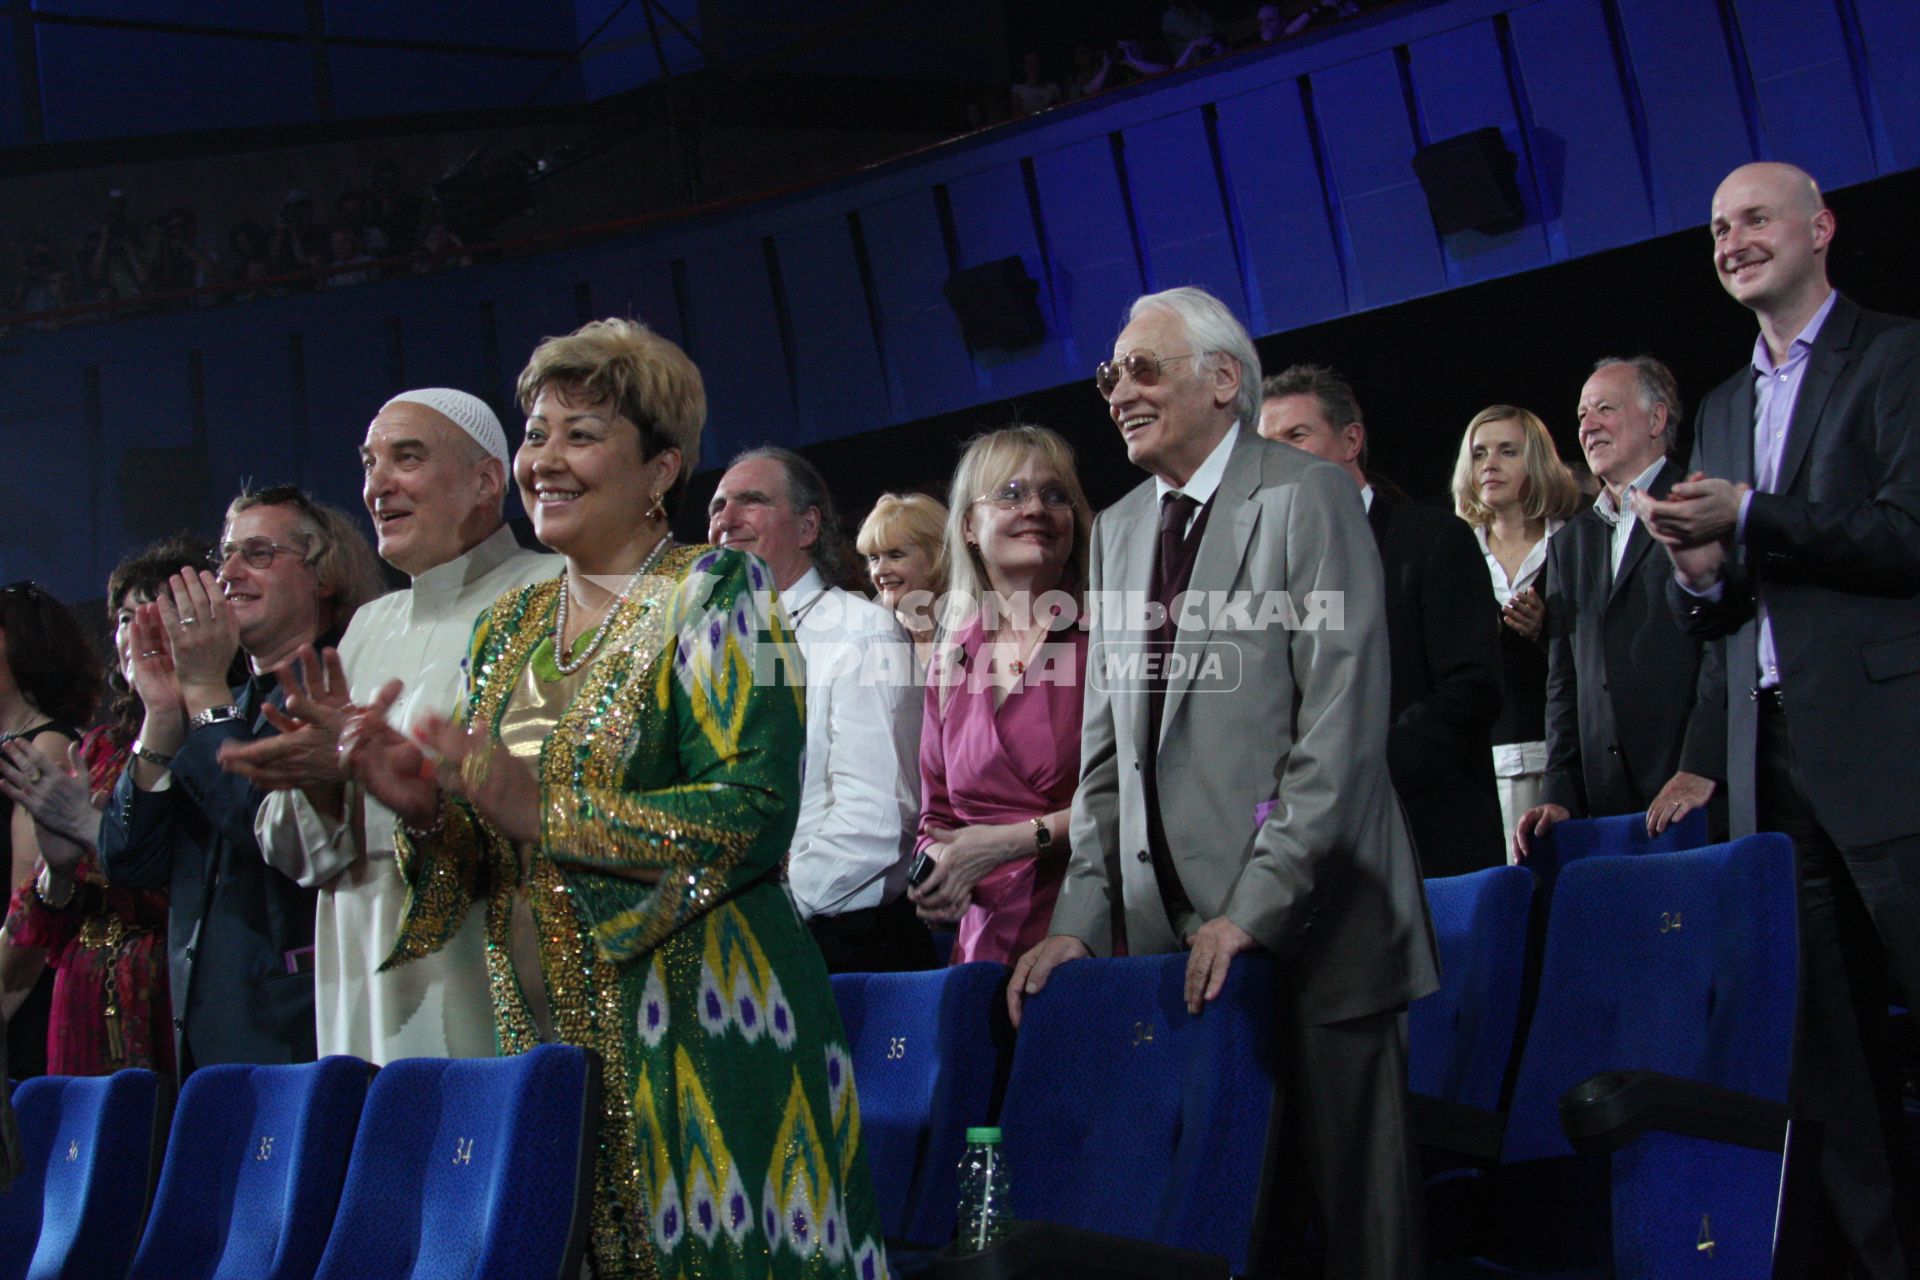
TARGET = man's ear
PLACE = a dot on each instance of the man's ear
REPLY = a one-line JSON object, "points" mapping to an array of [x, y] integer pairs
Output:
{"points": [[809, 528], [1226, 379], [1660, 413], [1353, 439], [493, 478]]}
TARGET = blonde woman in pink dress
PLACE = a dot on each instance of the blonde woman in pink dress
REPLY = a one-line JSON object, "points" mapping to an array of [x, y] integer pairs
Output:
{"points": [[1000, 746]]}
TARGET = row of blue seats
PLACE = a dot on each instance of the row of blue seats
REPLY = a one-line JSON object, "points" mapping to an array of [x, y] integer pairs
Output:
{"points": [[427, 1169], [1629, 1119]]}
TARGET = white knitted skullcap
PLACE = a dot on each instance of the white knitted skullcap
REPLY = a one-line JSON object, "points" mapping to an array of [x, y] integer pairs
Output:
{"points": [[467, 412]]}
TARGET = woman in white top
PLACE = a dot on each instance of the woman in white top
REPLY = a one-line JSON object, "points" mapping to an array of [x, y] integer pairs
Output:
{"points": [[1511, 486]]}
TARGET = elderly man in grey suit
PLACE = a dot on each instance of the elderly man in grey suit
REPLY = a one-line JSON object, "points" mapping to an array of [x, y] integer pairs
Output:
{"points": [[1292, 719]]}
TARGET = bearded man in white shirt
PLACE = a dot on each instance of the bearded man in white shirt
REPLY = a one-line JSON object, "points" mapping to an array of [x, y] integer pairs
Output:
{"points": [[860, 788], [436, 479]]}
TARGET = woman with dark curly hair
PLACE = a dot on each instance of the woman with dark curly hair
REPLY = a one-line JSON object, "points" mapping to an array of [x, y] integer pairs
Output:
{"points": [[105, 945], [49, 682]]}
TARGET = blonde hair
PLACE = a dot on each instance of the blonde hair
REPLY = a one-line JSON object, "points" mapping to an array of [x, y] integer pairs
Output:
{"points": [[336, 550], [1548, 489], [645, 376], [908, 517], [989, 462]]}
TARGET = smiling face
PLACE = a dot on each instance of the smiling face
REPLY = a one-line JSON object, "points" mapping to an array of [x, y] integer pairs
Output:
{"points": [[123, 631], [1499, 464], [1301, 421], [1770, 237], [277, 608], [1620, 435], [753, 511], [581, 475], [899, 568], [432, 492], [1170, 427], [1029, 545]]}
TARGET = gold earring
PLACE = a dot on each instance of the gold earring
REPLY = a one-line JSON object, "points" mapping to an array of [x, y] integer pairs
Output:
{"points": [[657, 511]]}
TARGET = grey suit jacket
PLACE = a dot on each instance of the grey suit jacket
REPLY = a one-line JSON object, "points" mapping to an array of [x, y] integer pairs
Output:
{"points": [[1836, 552], [1329, 882]]}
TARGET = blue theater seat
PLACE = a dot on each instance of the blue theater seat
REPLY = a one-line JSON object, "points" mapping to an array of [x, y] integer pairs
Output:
{"points": [[927, 1051], [1129, 1117], [1621, 835], [91, 1148], [1647, 1130], [1460, 1039], [475, 1169], [253, 1171]]}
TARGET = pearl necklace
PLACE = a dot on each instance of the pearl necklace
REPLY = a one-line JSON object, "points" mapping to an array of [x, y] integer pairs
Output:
{"points": [[560, 661]]}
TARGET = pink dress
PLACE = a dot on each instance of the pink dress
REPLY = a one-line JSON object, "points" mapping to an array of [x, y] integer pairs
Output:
{"points": [[982, 765]]}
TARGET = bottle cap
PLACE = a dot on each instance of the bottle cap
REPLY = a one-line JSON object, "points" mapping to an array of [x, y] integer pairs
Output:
{"points": [[983, 1135]]}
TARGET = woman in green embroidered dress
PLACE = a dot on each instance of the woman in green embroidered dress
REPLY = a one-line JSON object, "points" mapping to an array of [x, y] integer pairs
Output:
{"points": [[620, 794]]}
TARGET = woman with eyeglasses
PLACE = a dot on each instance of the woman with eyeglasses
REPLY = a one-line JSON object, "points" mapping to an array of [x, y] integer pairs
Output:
{"points": [[106, 945], [904, 542], [620, 795], [49, 680], [1000, 744]]}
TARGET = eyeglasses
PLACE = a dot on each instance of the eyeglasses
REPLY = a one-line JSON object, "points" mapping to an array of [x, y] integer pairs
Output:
{"points": [[257, 552], [1013, 495], [1142, 366]]}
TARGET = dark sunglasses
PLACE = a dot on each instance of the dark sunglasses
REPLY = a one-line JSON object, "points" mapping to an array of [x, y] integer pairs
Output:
{"points": [[1142, 366]]}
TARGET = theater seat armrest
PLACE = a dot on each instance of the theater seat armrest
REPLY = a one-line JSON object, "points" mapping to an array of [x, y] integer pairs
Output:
{"points": [[1456, 1128], [1604, 1113], [1049, 1251]]}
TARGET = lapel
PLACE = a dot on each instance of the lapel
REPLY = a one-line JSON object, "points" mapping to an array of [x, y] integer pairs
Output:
{"points": [[1740, 427], [1638, 540], [1128, 568], [1223, 547], [1379, 516], [1825, 363]]}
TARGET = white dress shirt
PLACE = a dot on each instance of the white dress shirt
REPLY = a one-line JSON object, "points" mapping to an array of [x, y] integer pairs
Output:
{"points": [[860, 780], [1205, 478], [437, 1006], [1619, 517], [1517, 759]]}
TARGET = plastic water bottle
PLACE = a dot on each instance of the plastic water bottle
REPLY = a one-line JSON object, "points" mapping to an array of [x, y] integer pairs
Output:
{"points": [[986, 1193]]}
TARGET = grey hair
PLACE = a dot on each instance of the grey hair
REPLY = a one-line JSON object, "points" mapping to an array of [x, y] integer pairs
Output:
{"points": [[806, 487], [1657, 386], [1214, 331]]}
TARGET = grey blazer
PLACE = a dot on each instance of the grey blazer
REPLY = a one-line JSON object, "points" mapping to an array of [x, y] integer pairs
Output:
{"points": [[1330, 882]]}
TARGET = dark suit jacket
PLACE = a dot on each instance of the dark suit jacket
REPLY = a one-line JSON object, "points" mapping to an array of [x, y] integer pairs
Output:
{"points": [[1444, 650], [231, 918], [1631, 696], [1836, 553]]}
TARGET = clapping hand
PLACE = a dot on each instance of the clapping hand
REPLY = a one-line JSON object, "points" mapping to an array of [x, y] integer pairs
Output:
{"points": [[407, 774], [306, 750], [1524, 613], [59, 799]]}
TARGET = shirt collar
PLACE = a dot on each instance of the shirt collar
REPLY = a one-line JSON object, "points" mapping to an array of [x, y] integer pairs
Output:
{"points": [[444, 581], [804, 588], [1603, 506], [1207, 476], [1802, 342]]}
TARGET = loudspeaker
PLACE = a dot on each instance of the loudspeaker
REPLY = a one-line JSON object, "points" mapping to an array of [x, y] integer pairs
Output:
{"points": [[1470, 183], [163, 490], [998, 306]]}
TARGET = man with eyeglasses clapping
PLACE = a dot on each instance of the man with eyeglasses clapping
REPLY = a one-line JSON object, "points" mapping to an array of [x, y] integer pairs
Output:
{"points": [[289, 572]]}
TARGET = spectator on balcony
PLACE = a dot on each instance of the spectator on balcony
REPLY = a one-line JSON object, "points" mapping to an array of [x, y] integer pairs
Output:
{"points": [[351, 210], [175, 258], [1270, 23], [1035, 92], [440, 250], [344, 250], [394, 211], [296, 246]]}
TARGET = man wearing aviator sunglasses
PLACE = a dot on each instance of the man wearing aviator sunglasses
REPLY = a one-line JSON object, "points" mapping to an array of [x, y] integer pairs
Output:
{"points": [[1250, 808], [240, 934]]}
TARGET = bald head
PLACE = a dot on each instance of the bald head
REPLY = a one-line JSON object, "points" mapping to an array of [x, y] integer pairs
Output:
{"points": [[1771, 230]]}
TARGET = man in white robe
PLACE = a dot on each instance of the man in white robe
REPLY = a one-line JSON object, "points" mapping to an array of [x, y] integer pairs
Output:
{"points": [[436, 478]]}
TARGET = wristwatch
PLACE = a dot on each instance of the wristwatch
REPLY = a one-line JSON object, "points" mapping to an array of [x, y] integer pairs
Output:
{"points": [[148, 754], [213, 715], [1042, 836]]}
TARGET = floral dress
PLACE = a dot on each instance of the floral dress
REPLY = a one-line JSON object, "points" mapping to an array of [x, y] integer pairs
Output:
{"points": [[731, 1141]]}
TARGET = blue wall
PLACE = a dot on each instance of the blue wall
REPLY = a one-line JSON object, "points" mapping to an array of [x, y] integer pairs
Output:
{"points": [[1279, 180]]}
